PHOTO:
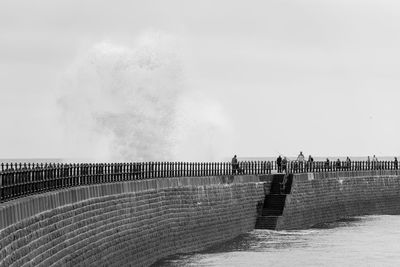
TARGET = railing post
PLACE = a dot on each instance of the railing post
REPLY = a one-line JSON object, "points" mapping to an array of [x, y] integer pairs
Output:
{"points": [[107, 173], [214, 168], [158, 169], [198, 169]]}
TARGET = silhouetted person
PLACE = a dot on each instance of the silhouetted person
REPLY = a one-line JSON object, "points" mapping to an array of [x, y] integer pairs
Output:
{"points": [[396, 164], [338, 164], [348, 163], [235, 165], [310, 162], [279, 163], [327, 163]]}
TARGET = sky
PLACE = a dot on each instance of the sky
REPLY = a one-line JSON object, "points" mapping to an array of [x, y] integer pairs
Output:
{"points": [[205, 79]]}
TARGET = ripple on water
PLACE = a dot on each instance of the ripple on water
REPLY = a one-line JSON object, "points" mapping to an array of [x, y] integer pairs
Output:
{"points": [[357, 241]]}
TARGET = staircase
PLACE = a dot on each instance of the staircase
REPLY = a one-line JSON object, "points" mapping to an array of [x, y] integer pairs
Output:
{"points": [[274, 202]]}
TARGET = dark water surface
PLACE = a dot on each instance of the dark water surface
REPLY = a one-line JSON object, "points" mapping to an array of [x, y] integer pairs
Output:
{"points": [[360, 241]]}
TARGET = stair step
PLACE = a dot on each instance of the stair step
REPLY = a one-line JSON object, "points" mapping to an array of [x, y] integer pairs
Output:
{"points": [[271, 212], [275, 202], [276, 183]]}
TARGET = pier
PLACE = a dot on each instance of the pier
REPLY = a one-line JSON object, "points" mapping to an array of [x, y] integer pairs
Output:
{"points": [[121, 214]]}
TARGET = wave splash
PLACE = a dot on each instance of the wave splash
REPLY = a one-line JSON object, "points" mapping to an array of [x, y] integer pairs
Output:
{"points": [[131, 103]]}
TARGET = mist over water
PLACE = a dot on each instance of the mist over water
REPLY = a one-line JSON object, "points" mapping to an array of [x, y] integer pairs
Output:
{"points": [[134, 103]]}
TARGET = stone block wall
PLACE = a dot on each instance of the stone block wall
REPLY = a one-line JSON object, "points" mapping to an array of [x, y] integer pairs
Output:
{"points": [[325, 197], [132, 223]]}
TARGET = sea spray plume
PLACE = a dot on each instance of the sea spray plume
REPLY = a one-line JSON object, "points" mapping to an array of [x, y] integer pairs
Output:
{"points": [[131, 103], [119, 102], [203, 131]]}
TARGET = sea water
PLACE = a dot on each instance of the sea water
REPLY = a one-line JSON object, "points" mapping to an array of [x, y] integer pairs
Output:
{"points": [[359, 241]]}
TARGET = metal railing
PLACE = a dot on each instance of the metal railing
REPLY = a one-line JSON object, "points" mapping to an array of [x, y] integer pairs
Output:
{"points": [[22, 179], [335, 166]]}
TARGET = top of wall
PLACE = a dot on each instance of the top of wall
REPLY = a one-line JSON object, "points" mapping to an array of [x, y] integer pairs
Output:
{"points": [[344, 174]]}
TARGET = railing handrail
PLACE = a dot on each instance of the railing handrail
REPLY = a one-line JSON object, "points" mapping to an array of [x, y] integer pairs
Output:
{"points": [[22, 179]]}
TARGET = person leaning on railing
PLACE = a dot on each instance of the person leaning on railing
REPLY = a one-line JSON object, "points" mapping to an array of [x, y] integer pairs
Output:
{"points": [[396, 164]]}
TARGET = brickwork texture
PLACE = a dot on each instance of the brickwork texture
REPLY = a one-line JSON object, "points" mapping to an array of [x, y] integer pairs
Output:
{"points": [[326, 197], [127, 224]]}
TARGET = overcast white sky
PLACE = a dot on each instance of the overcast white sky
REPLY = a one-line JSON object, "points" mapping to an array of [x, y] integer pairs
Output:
{"points": [[319, 76]]}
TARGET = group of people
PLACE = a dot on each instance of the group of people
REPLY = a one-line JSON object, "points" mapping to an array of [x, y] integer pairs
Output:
{"points": [[282, 163], [301, 162]]}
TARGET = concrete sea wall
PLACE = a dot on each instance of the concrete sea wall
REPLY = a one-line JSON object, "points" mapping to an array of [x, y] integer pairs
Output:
{"points": [[129, 223], [326, 197]]}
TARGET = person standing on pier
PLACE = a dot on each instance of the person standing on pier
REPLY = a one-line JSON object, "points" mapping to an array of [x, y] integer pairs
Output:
{"points": [[374, 162], [300, 160], [300, 157], [348, 163], [338, 164], [396, 164], [327, 163], [310, 163], [279, 163], [235, 165]]}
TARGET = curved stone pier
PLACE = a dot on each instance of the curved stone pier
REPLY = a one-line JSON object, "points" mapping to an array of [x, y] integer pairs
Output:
{"points": [[136, 223], [128, 223]]}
